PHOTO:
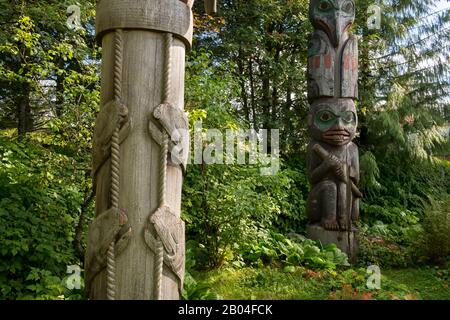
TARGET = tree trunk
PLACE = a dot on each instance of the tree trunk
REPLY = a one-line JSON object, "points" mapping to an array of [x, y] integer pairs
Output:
{"points": [[252, 92], [25, 121], [240, 63], [59, 90]]}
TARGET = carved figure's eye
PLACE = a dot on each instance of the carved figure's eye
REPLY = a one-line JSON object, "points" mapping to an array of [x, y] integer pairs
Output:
{"points": [[324, 119], [325, 5], [348, 117], [348, 7], [326, 116]]}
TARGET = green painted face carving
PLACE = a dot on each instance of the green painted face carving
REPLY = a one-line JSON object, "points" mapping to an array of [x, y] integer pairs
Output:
{"points": [[333, 120], [325, 119]]}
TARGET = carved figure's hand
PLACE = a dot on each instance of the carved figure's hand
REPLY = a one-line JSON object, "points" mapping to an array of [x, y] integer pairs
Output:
{"points": [[336, 166], [341, 172], [332, 162]]}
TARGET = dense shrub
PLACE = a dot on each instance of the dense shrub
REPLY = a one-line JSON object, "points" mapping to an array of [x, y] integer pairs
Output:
{"points": [[226, 206], [39, 205], [274, 247], [435, 240]]}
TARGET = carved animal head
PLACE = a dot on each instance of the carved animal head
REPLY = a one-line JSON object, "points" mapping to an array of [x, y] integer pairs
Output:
{"points": [[333, 17], [333, 121]]}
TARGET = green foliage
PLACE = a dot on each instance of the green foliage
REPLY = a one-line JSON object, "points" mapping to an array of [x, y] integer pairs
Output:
{"points": [[47, 69], [226, 205], [393, 214], [39, 206], [263, 42], [436, 231], [370, 173], [194, 289], [376, 250], [350, 284], [274, 247], [292, 216], [51, 72], [44, 286], [389, 236]]}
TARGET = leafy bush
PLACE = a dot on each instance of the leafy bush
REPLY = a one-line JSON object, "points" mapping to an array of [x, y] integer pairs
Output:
{"points": [[388, 235], [275, 247], [192, 288], [435, 241], [396, 216], [43, 285], [39, 205], [397, 237], [376, 250]]}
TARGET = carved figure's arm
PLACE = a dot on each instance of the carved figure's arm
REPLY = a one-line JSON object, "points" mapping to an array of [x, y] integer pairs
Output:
{"points": [[329, 162], [320, 166], [319, 172]]}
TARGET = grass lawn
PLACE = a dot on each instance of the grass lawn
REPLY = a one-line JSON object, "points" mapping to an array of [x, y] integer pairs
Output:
{"points": [[301, 283], [428, 284]]}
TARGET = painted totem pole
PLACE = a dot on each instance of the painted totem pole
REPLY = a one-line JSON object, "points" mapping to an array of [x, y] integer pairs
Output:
{"points": [[141, 142], [332, 157]]}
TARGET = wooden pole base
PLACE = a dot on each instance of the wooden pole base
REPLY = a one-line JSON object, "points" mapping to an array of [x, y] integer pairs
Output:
{"points": [[347, 241]]}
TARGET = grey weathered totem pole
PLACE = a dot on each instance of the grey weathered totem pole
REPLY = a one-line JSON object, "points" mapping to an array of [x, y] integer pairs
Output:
{"points": [[136, 241], [332, 157]]}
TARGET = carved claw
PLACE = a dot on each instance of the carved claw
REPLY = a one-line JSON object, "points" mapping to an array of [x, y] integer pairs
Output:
{"points": [[174, 122], [168, 226], [170, 231], [111, 114], [105, 229]]}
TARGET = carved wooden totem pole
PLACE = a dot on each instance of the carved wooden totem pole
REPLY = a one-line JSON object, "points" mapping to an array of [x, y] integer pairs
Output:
{"points": [[332, 157], [136, 241]]}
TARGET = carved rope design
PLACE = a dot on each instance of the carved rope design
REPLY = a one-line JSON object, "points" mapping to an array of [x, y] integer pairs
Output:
{"points": [[115, 163], [111, 272], [118, 61], [168, 40], [159, 261]]}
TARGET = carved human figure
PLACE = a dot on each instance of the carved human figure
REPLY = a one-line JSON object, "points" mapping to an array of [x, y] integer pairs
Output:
{"points": [[333, 165]]}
